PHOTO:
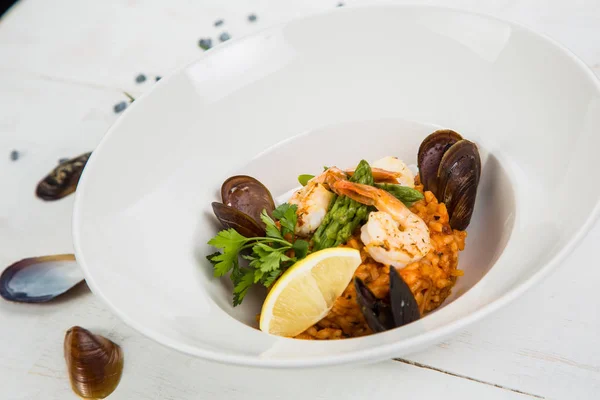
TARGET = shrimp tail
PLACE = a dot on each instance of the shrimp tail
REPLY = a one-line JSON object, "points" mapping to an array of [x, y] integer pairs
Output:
{"points": [[330, 176], [364, 194], [380, 175]]}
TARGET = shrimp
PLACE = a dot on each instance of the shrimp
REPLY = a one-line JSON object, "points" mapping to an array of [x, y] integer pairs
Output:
{"points": [[393, 235], [313, 200], [380, 175], [405, 176], [391, 170]]}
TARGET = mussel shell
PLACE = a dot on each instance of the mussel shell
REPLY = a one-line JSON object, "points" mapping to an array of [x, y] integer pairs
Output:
{"points": [[398, 309], [94, 363], [377, 313], [458, 178], [63, 179], [402, 301], [246, 194], [430, 154], [40, 279], [241, 222]]}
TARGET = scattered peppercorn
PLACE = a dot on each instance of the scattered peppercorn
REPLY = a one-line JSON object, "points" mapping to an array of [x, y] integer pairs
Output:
{"points": [[224, 36], [205, 43], [340, 5], [219, 22], [157, 78], [252, 17], [140, 78], [120, 107], [14, 155]]}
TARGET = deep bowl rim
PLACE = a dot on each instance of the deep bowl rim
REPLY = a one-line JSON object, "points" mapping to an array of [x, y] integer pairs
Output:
{"points": [[373, 353]]}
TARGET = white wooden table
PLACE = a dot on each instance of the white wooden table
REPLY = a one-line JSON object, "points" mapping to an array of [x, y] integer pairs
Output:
{"points": [[65, 63]]}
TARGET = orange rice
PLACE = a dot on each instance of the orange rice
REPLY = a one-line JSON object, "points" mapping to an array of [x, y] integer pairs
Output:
{"points": [[430, 279]]}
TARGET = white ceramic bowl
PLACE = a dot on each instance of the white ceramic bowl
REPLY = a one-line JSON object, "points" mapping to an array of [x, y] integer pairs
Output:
{"points": [[331, 89]]}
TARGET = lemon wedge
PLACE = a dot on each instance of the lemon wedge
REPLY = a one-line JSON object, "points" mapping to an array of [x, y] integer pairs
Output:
{"points": [[305, 293]]}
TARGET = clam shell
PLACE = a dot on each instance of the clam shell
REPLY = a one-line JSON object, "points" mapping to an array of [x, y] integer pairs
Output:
{"points": [[94, 363], [40, 279], [63, 179]]}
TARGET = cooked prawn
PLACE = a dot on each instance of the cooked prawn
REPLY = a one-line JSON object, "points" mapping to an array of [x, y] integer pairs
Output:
{"points": [[380, 175], [393, 235], [405, 176], [390, 170], [313, 200]]}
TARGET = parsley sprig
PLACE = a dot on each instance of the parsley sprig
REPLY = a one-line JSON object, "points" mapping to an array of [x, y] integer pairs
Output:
{"points": [[267, 257]]}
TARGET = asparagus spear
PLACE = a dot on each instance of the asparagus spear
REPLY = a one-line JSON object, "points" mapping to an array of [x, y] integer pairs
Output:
{"points": [[344, 215], [403, 193]]}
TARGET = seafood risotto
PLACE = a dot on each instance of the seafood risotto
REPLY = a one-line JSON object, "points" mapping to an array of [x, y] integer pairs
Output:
{"points": [[430, 279], [353, 251]]}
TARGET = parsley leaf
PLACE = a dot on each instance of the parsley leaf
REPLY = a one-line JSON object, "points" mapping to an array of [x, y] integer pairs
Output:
{"points": [[242, 283], [266, 255], [248, 257], [210, 257], [258, 275], [300, 248], [272, 277], [268, 259], [286, 214], [261, 250], [272, 260], [227, 239], [279, 212], [231, 242], [271, 227], [223, 262]]}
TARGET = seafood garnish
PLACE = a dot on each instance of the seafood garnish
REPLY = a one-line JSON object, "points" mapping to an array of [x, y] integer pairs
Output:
{"points": [[244, 199], [393, 235], [248, 195], [450, 167], [358, 250], [313, 200], [397, 309]]}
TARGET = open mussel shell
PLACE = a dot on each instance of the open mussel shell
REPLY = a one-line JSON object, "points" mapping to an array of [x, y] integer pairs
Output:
{"points": [[247, 195], [241, 222], [450, 167], [458, 178], [430, 155], [63, 179], [377, 313], [40, 279], [402, 302], [94, 363], [398, 309]]}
